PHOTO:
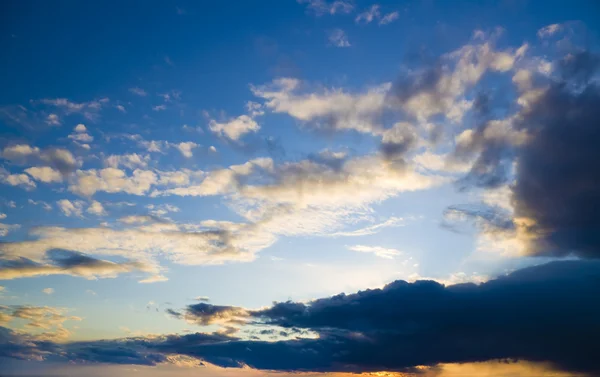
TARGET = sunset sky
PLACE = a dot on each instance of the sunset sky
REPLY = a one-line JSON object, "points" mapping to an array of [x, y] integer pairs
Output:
{"points": [[247, 188]]}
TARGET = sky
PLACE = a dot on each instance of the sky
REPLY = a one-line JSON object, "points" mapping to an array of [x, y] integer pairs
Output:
{"points": [[323, 187]]}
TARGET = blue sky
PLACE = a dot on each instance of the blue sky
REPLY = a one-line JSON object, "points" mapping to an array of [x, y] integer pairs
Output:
{"points": [[259, 152]]}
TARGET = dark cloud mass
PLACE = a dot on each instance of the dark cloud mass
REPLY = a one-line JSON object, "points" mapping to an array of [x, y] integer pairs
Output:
{"points": [[544, 313], [555, 190]]}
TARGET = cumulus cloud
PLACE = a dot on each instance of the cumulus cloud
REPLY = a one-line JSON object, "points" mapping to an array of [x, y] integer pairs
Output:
{"points": [[112, 180], [22, 180], [44, 174], [42, 324], [235, 128], [96, 208], [71, 208], [56, 158], [185, 148]]}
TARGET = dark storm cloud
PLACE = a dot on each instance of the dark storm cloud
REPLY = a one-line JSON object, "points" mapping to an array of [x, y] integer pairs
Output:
{"points": [[544, 313], [557, 180]]}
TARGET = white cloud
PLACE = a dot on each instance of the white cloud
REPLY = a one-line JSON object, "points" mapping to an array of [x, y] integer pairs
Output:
{"points": [[48, 291], [96, 208], [389, 18], [549, 30], [2, 216], [321, 7], [138, 91], [44, 174], [44, 205], [159, 108], [154, 279], [21, 180], [131, 161], [121, 108], [53, 120], [235, 128], [332, 108], [58, 158], [369, 15], [379, 251], [6, 228], [112, 180], [185, 148], [338, 38], [90, 110], [71, 208]]}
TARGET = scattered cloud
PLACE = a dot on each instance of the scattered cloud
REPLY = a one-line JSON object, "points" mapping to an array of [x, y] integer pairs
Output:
{"points": [[338, 38]]}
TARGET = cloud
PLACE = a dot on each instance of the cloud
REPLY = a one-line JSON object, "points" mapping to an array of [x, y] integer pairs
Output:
{"points": [[6, 228], [551, 208], [389, 18], [44, 174], [66, 263], [90, 110], [48, 291], [45, 205], [71, 208], [329, 110], [235, 128], [527, 315], [369, 15], [111, 180], [22, 180], [549, 30], [80, 134], [338, 38], [96, 208], [138, 91], [322, 7], [206, 314], [56, 158], [159, 108], [185, 148], [379, 251], [130, 161], [53, 120]]}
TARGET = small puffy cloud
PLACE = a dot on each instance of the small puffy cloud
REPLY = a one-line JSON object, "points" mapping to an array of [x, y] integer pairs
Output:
{"points": [[48, 291], [159, 108], [121, 108], [80, 128], [71, 208], [185, 148], [235, 128], [338, 38], [53, 120], [90, 110], [138, 91], [44, 174], [2, 216], [45, 205], [96, 208], [379, 251], [212, 149]]}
